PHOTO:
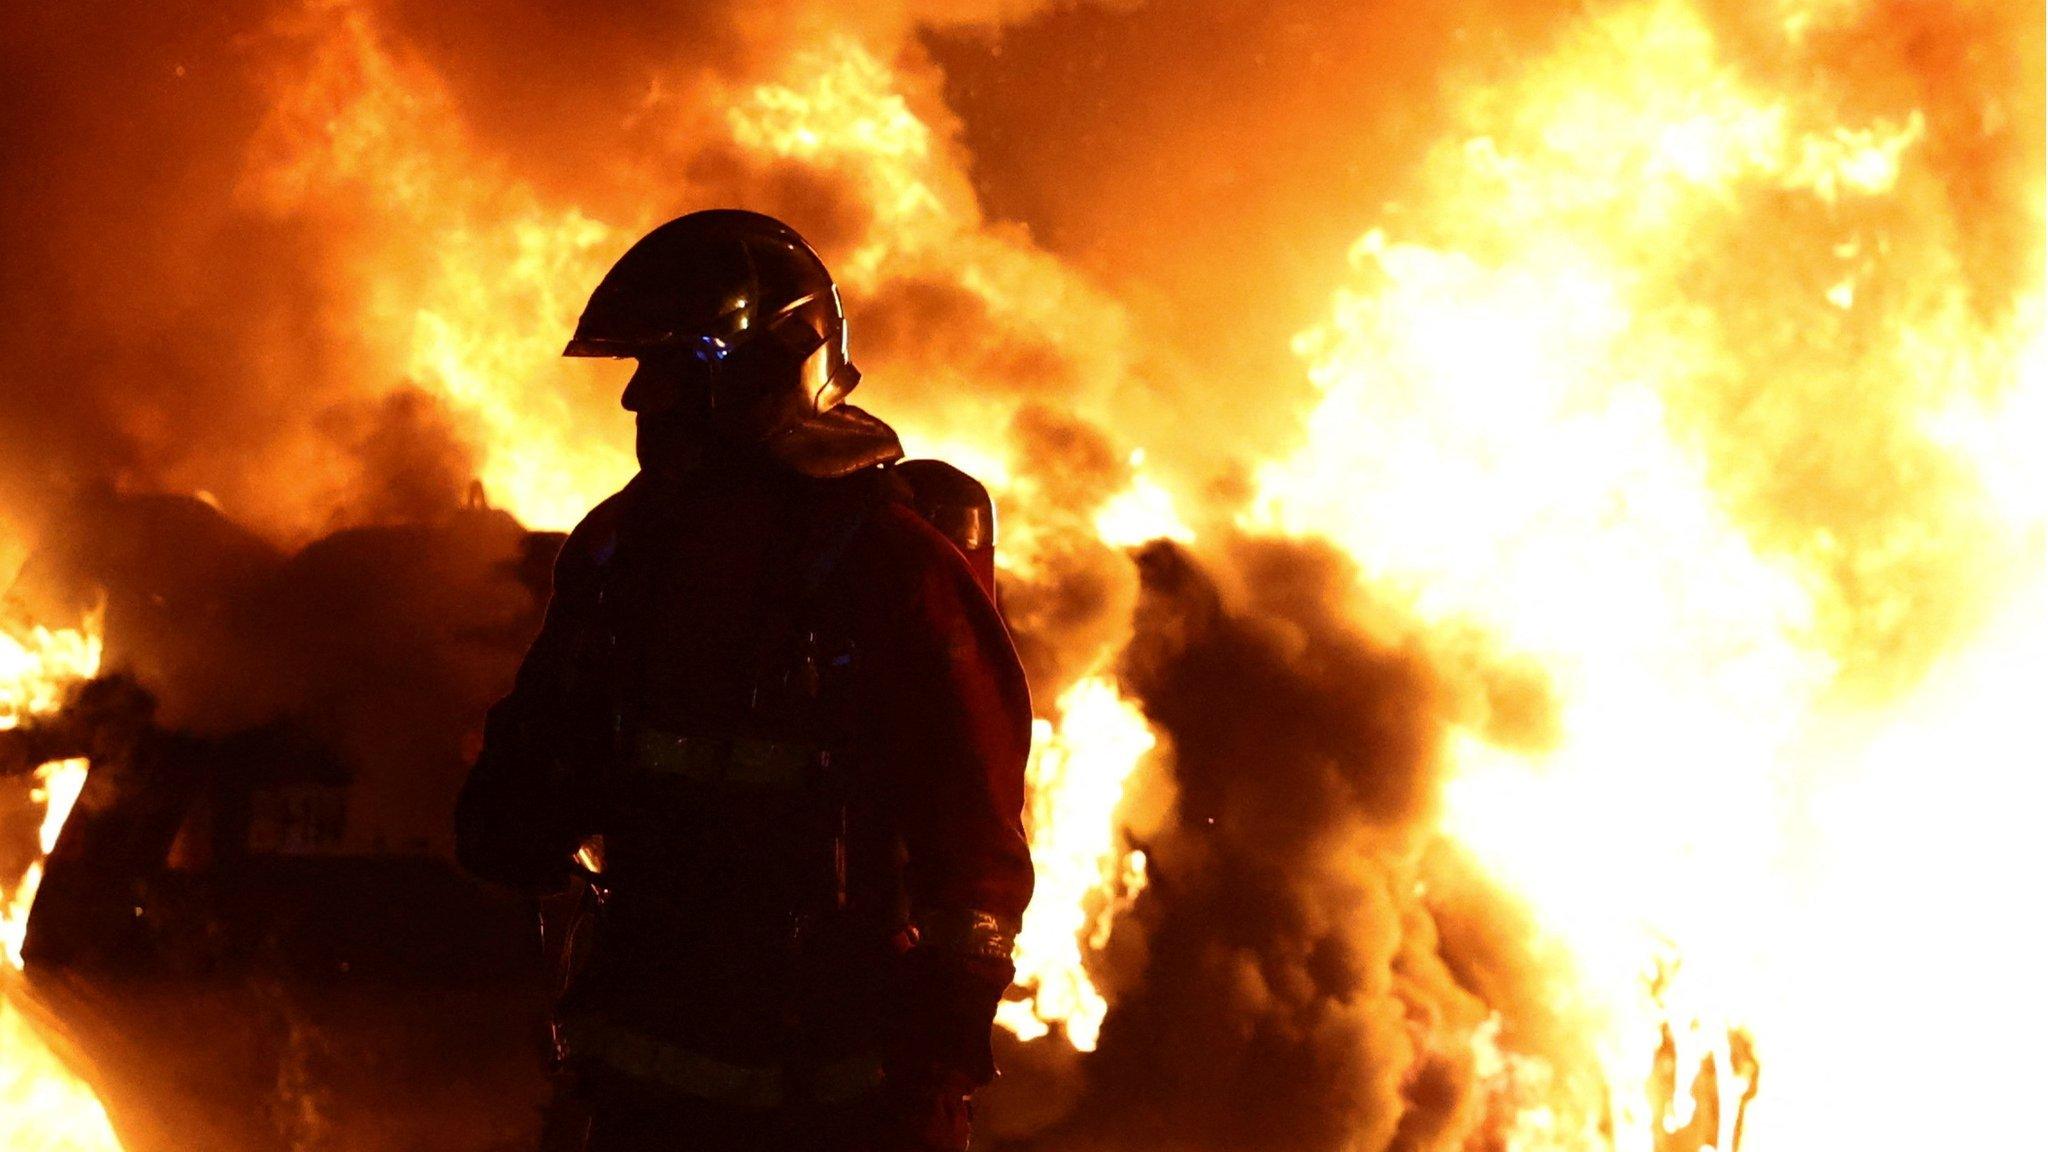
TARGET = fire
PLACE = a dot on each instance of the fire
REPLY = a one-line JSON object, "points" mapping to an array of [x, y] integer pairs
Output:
{"points": [[44, 1106], [1141, 513], [1517, 430], [475, 276], [847, 114], [468, 278], [1077, 776], [1666, 377], [35, 669], [34, 672], [57, 788]]}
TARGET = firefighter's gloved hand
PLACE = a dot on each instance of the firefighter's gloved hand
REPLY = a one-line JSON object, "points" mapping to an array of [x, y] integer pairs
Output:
{"points": [[947, 1006], [933, 1113]]}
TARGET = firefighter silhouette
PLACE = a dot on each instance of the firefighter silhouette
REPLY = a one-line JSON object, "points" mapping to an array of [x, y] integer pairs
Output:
{"points": [[773, 732]]}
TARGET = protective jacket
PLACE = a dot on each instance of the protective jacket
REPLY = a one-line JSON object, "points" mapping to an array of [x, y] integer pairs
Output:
{"points": [[789, 707]]}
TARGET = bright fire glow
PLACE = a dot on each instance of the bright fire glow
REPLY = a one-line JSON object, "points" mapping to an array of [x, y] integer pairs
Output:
{"points": [[1741, 834], [44, 1106], [471, 280], [34, 671], [1080, 764], [1141, 513], [471, 297], [1560, 403], [57, 787]]}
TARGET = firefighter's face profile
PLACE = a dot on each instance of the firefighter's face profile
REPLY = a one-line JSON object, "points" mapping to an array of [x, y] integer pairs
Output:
{"points": [[669, 395], [681, 392]]}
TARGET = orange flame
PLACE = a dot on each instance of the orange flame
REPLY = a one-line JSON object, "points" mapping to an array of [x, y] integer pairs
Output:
{"points": [[476, 277], [1723, 489], [468, 279], [44, 1106], [33, 675], [1079, 769], [1515, 431]]}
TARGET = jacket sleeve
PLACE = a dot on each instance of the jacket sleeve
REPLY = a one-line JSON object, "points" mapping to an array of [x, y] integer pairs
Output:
{"points": [[956, 732], [528, 802]]}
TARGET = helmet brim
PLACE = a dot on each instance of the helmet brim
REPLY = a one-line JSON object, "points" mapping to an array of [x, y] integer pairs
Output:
{"points": [[583, 346]]}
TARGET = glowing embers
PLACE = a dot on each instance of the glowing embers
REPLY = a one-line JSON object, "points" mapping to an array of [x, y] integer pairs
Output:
{"points": [[1080, 766]]}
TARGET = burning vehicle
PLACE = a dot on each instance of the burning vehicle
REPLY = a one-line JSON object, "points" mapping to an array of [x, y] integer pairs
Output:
{"points": [[272, 831]]}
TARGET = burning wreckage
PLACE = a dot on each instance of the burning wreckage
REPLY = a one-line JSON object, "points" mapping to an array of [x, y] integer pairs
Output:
{"points": [[249, 925], [247, 921], [1578, 701], [263, 835]]}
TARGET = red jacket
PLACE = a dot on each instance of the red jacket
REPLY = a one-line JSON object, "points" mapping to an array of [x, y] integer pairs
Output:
{"points": [[689, 607]]}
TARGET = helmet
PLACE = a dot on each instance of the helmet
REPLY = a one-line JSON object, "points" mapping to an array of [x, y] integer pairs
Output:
{"points": [[743, 306]]}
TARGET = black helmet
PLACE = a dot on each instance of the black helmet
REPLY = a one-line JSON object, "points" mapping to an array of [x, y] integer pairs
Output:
{"points": [[743, 302]]}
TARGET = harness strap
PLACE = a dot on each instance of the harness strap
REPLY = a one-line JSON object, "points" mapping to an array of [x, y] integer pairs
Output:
{"points": [[597, 1040], [787, 666], [830, 546], [739, 760]]}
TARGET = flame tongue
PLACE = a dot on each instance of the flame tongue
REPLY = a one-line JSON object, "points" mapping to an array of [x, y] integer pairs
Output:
{"points": [[34, 671], [1079, 769], [44, 1106], [57, 787]]}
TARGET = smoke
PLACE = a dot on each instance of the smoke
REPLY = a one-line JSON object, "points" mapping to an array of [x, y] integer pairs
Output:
{"points": [[409, 463], [224, 223], [1307, 971], [1212, 162], [154, 336], [1217, 194], [315, 260]]}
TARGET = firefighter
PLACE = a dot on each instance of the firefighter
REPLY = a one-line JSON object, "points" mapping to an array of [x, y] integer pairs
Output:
{"points": [[772, 683]]}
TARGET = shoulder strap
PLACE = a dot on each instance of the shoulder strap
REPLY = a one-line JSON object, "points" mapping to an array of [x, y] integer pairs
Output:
{"points": [[830, 534], [789, 663]]}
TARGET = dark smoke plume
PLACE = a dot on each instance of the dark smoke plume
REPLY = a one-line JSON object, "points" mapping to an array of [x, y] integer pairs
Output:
{"points": [[1290, 988]]}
